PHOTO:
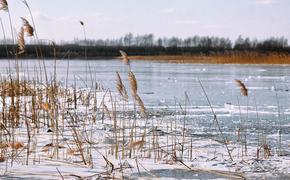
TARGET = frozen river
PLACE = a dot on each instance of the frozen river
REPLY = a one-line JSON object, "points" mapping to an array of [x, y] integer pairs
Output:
{"points": [[172, 93], [165, 85]]}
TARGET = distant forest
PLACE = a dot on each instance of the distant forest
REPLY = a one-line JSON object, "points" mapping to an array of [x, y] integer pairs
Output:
{"points": [[143, 45]]}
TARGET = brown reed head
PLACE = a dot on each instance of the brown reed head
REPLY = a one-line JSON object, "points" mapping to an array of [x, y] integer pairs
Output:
{"points": [[106, 111], [125, 57], [121, 88], [119, 83], [27, 27], [141, 106], [242, 86], [133, 84], [21, 41], [3, 5]]}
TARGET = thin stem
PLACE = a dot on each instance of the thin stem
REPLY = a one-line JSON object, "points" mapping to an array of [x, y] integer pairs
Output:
{"points": [[216, 120]]}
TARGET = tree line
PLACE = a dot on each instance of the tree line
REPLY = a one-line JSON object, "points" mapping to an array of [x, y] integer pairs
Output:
{"points": [[147, 45]]}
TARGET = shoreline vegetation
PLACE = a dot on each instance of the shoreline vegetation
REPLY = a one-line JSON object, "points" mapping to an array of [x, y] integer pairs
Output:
{"points": [[195, 49], [238, 58], [162, 54]]}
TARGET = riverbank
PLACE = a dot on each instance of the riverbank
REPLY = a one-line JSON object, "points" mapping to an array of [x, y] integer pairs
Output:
{"points": [[239, 58]]}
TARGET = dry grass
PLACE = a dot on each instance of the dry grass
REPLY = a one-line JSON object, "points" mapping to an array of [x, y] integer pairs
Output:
{"points": [[231, 58]]}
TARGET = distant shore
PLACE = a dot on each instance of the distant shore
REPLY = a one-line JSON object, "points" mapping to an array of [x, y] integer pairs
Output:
{"points": [[220, 59]]}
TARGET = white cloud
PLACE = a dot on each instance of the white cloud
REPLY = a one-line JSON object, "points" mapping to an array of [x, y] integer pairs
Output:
{"points": [[266, 2], [40, 16], [187, 22], [167, 11]]}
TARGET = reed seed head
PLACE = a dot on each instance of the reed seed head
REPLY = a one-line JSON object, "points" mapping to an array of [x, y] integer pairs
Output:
{"points": [[21, 41], [119, 83], [27, 27], [125, 57], [242, 86], [3, 5], [133, 84], [141, 106], [106, 111], [121, 88]]}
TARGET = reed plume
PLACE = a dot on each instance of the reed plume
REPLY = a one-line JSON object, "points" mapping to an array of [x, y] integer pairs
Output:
{"points": [[106, 111], [141, 106], [133, 84], [121, 88], [21, 41], [125, 57], [3, 5], [27, 27], [244, 89]]}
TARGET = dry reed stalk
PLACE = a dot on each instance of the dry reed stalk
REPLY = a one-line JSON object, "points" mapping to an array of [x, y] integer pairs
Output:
{"points": [[244, 89], [244, 92], [216, 120], [125, 58], [85, 36], [133, 84], [3, 5], [77, 136], [28, 129], [5, 41]]}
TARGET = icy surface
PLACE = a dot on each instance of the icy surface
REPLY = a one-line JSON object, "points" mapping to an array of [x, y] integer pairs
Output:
{"points": [[173, 98]]}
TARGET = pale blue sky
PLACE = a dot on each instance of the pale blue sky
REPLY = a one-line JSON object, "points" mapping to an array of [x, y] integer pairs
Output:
{"points": [[59, 19]]}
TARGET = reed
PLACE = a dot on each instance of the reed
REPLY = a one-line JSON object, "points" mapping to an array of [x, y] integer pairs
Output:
{"points": [[243, 125], [3, 5], [217, 122], [242, 86], [121, 88], [21, 41], [27, 27], [133, 84], [125, 57]]}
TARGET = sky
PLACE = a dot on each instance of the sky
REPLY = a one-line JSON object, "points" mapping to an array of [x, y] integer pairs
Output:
{"points": [[59, 19]]}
